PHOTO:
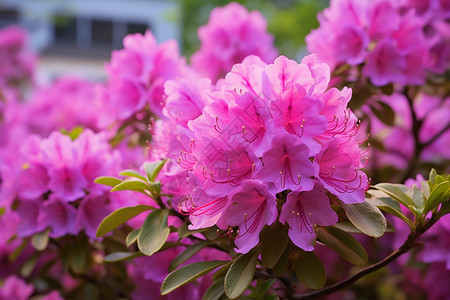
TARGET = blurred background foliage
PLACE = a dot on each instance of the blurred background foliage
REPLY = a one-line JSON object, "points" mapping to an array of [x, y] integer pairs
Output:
{"points": [[289, 21]]}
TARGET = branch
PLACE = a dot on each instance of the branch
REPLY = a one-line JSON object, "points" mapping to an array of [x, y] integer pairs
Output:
{"points": [[407, 245]]}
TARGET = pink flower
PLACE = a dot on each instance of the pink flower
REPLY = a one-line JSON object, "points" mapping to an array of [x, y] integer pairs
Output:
{"points": [[339, 170], [15, 288], [302, 211], [138, 72], [251, 207], [63, 105], [286, 164], [59, 216], [231, 34], [392, 39], [385, 64], [185, 100]]}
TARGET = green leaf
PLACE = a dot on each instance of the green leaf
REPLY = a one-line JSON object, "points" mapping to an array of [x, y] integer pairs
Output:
{"points": [[310, 270], [121, 256], [222, 271], [109, 181], [154, 232], [40, 240], [432, 175], [438, 194], [134, 174], [186, 274], [425, 189], [390, 206], [283, 263], [78, 259], [183, 231], [343, 244], [120, 216], [383, 112], [241, 273], [132, 237], [398, 192], [274, 240], [29, 265], [215, 290], [445, 209], [187, 253], [2, 211], [132, 185], [347, 226], [153, 168], [418, 198], [367, 218]]}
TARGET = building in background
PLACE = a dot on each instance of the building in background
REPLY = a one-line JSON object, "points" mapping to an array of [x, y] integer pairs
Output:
{"points": [[77, 36]]}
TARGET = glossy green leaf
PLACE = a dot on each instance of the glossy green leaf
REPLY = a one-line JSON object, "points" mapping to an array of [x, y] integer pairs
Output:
{"points": [[398, 192], [390, 206], [343, 244], [439, 193], [418, 198], [347, 226], [134, 174], [132, 237], [283, 263], [240, 274], [154, 232], [153, 168], [367, 218], [215, 290], [183, 231], [222, 271], [40, 240], [187, 253], [131, 185], [120, 216], [121, 256], [186, 274], [109, 181], [310, 270], [274, 240], [432, 175]]}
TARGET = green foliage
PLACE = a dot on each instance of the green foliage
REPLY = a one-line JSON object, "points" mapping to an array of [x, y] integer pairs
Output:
{"points": [[186, 274], [154, 232], [40, 240], [187, 253], [367, 218], [274, 240], [119, 217], [240, 274], [343, 244], [309, 269]]}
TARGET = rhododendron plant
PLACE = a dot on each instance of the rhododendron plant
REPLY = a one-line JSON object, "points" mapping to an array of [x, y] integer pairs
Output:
{"points": [[242, 174]]}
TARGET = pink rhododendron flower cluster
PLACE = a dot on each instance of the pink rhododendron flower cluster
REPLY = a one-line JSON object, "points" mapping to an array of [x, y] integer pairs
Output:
{"points": [[56, 188], [266, 129], [16, 62], [396, 41], [67, 103], [138, 72], [231, 34], [432, 111]]}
